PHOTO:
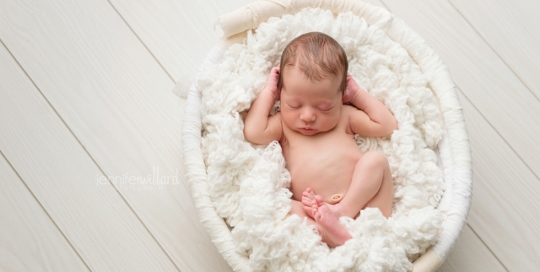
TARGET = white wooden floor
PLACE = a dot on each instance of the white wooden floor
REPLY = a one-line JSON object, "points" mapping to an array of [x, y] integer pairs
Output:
{"points": [[87, 115]]}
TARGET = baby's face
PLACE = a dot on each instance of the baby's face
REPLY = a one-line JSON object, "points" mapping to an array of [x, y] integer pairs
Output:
{"points": [[310, 107]]}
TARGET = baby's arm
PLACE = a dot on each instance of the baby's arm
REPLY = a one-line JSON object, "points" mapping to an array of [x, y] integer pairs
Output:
{"points": [[259, 127], [373, 119]]}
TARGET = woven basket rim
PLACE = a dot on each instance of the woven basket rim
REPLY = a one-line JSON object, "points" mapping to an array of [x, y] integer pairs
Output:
{"points": [[455, 152]]}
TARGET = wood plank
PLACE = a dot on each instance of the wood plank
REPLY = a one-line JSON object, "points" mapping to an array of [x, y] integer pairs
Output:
{"points": [[62, 176], [117, 100], [504, 211], [30, 239], [512, 31], [178, 33], [485, 79], [470, 254]]}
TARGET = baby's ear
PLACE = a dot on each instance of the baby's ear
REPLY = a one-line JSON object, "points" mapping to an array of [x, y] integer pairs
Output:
{"points": [[279, 81]]}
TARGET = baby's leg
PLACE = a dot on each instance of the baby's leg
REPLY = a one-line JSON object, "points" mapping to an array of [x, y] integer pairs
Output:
{"points": [[371, 186], [331, 231]]}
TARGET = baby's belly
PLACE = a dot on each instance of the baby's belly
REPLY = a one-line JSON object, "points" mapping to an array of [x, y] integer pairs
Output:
{"points": [[328, 175]]}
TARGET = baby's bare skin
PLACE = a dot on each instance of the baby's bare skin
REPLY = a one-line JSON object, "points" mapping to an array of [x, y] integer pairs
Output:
{"points": [[324, 162], [330, 175]]}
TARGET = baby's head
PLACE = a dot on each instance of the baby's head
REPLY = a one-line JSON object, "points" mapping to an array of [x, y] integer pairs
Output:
{"points": [[318, 56], [312, 80]]}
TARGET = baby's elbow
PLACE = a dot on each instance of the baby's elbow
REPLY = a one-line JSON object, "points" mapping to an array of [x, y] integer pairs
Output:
{"points": [[252, 135], [389, 128], [393, 127], [248, 134]]}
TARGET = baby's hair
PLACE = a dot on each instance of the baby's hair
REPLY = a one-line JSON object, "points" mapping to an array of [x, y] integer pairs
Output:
{"points": [[317, 55]]}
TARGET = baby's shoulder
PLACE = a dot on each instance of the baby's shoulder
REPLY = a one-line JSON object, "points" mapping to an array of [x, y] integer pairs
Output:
{"points": [[347, 112]]}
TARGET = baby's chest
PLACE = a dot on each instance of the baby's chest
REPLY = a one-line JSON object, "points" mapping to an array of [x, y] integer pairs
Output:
{"points": [[320, 152]]}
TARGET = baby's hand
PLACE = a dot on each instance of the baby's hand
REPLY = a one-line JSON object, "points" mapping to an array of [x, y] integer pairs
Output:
{"points": [[272, 82], [351, 91]]}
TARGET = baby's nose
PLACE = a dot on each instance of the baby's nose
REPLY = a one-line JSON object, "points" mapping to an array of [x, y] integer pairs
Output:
{"points": [[307, 115]]}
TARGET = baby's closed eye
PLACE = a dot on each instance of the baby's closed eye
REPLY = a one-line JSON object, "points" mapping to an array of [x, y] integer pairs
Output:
{"points": [[294, 105], [325, 107]]}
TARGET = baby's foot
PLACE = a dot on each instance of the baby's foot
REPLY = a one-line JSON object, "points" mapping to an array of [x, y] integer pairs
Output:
{"points": [[332, 232], [308, 200]]}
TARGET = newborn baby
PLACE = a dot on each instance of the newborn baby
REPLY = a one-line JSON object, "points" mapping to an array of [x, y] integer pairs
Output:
{"points": [[322, 108]]}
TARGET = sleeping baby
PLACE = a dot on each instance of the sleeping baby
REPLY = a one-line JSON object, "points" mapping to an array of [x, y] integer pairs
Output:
{"points": [[322, 108]]}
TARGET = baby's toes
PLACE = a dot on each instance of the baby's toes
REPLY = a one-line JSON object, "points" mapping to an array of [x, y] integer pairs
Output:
{"points": [[309, 192], [319, 200], [306, 202]]}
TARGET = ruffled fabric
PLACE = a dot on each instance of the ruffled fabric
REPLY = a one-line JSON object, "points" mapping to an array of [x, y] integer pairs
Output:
{"points": [[249, 184]]}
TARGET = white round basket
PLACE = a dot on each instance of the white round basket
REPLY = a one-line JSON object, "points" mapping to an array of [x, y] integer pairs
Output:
{"points": [[454, 156]]}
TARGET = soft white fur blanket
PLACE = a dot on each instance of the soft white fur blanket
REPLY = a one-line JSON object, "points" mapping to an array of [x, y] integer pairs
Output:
{"points": [[249, 184]]}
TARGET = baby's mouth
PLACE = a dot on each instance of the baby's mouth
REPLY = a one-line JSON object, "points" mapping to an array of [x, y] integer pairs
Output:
{"points": [[307, 130]]}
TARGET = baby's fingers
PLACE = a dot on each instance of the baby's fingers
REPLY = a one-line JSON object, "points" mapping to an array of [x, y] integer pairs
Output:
{"points": [[272, 82], [275, 73], [351, 90]]}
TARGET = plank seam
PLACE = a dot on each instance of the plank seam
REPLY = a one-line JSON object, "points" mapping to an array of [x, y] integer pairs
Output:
{"points": [[169, 75], [40, 205], [497, 131], [492, 253], [141, 41], [465, 96], [91, 158], [494, 51]]}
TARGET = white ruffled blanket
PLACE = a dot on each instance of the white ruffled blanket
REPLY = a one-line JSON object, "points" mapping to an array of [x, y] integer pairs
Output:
{"points": [[249, 184]]}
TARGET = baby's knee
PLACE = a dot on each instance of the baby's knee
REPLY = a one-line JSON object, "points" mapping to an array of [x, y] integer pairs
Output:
{"points": [[375, 159]]}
